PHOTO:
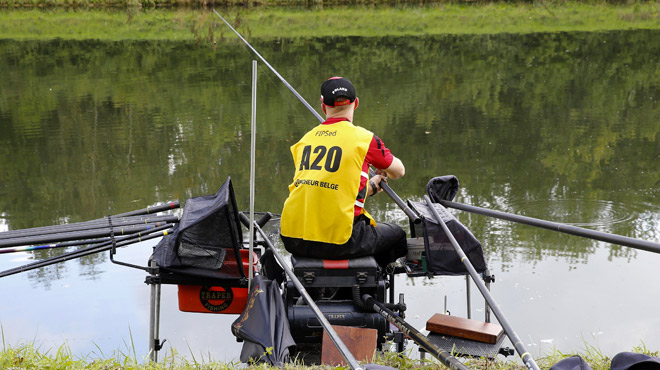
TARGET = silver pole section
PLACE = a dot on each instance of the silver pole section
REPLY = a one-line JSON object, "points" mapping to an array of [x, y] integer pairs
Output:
{"points": [[517, 343], [253, 145]]}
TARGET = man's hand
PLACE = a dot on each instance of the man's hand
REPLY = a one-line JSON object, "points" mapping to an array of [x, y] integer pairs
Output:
{"points": [[374, 184]]}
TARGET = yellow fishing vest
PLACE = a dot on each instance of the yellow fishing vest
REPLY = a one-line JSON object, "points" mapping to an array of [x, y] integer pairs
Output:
{"points": [[322, 196]]}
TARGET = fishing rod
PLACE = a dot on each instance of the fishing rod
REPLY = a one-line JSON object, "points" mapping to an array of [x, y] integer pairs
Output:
{"points": [[113, 221], [152, 209], [517, 343], [127, 215], [303, 292], [562, 228], [52, 246], [399, 202], [77, 235], [101, 247]]}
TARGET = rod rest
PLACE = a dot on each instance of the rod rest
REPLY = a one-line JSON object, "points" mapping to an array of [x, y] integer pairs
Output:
{"points": [[261, 222], [358, 302]]}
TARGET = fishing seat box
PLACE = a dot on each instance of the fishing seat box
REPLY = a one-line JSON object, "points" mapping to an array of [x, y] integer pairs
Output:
{"points": [[224, 298], [316, 274], [313, 272]]}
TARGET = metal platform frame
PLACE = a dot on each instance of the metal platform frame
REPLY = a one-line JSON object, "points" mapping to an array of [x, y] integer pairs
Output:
{"points": [[155, 279]]}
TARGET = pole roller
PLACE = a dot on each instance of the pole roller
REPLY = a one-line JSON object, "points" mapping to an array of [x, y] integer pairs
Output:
{"points": [[517, 342]]}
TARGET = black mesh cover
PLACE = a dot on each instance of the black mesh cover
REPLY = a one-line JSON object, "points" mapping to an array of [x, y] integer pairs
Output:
{"points": [[441, 258], [198, 245]]}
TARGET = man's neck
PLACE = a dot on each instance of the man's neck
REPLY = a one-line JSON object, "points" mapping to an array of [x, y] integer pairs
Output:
{"points": [[347, 114], [333, 120]]}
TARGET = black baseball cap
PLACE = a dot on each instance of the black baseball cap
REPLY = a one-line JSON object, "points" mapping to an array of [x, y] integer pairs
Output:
{"points": [[336, 87]]}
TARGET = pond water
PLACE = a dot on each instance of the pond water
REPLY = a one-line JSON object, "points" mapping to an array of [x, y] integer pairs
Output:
{"points": [[563, 127]]}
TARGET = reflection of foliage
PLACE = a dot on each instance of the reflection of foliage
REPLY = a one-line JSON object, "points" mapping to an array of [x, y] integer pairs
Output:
{"points": [[92, 128]]}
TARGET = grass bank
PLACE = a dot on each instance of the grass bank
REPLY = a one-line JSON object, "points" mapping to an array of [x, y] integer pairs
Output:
{"points": [[29, 357], [266, 22]]}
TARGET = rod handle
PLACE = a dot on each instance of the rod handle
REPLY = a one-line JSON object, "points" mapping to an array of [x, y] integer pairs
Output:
{"points": [[399, 202]]}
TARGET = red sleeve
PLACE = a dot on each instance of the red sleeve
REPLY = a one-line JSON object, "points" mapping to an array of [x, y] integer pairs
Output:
{"points": [[378, 155]]}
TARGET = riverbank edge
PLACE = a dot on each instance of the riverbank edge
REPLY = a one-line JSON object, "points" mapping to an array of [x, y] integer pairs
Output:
{"points": [[30, 357], [274, 22]]}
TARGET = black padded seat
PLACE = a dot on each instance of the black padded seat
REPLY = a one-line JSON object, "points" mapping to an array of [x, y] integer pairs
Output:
{"points": [[368, 262], [315, 272]]}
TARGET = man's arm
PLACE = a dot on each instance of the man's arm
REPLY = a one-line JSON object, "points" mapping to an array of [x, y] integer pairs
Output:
{"points": [[396, 169]]}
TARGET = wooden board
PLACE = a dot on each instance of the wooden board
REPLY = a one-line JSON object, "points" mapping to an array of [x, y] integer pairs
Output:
{"points": [[464, 328], [360, 341]]}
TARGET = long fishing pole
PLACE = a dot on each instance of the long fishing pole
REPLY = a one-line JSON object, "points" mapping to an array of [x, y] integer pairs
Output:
{"points": [[52, 246], [562, 228], [343, 350], [152, 209], [76, 235], [517, 343], [127, 215], [119, 242], [87, 225]]}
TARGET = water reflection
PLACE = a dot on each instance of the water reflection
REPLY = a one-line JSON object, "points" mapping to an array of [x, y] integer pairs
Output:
{"points": [[555, 126], [602, 213]]}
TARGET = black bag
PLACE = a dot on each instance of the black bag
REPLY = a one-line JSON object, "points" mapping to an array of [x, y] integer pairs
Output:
{"points": [[441, 257]]}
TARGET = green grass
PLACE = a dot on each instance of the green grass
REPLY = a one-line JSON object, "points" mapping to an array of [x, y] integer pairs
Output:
{"points": [[29, 357], [264, 22]]}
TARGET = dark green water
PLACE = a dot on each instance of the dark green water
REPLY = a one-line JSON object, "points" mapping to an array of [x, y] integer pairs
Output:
{"points": [[564, 127]]}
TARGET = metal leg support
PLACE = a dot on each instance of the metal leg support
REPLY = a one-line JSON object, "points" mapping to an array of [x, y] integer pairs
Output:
{"points": [[488, 278], [469, 301], [154, 317]]}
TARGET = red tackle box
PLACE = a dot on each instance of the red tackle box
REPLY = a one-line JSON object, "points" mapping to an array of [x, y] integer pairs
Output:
{"points": [[218, 298]]}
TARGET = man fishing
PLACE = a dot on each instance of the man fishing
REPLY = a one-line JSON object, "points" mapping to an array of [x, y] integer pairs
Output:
{"points": [[324, 215]]}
